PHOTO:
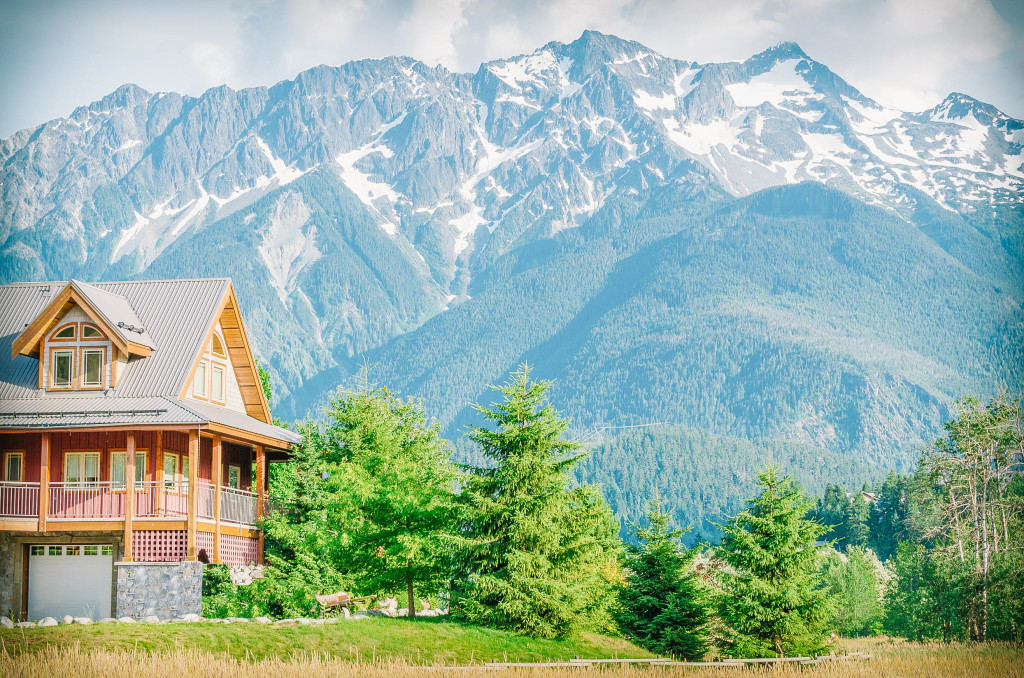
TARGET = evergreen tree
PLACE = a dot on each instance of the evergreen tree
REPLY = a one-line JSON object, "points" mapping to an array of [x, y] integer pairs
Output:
{"points": [[404, 481], [769, 600], [855, 521], [663, 604], [831, 511], [540, 557]]}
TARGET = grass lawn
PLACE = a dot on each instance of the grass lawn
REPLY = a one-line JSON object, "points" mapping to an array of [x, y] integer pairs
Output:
{"points": [[424, 641]]}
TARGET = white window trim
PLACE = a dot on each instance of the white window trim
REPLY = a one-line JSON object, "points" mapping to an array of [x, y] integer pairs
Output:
{"points": [[82, 455], [54, 354], [21, 465], [238, 471], [139, 468], [102, 371], [204, 394]]}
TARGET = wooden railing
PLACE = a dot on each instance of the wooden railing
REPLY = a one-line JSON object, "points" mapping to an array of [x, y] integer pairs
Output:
{"points": [[19, 500]]}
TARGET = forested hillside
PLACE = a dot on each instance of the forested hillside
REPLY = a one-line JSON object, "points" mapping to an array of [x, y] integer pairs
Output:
{"points": [[746, 251]]}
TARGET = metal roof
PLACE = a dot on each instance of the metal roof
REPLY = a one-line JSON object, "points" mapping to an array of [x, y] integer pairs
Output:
{"points": [[118, 312], [175, 316]]}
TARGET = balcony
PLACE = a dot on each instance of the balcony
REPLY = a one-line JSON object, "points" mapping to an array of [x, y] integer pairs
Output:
{"points": [[154, 500]]}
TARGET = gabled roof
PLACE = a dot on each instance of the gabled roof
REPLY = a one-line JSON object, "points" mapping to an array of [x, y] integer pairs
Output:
{"points": [[175, 318]]}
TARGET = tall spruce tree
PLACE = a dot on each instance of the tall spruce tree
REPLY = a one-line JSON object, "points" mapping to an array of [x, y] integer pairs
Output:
{"points": [[664, 606], [770, 602], [540, 558]]}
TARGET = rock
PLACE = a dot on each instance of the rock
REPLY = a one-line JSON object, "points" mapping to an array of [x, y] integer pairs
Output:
{"points": [[304, 621], [6, 622], [358, 616], [263, 620], [151, 619], [67, 619], [285, 621], [125, 620], [107, 620], [26, 625], [345, 613], [84, 621], [190, 618], [47, 621], [402, 612], [237, 620]]}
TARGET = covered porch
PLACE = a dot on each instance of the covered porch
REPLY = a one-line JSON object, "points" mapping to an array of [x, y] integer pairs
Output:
{"points": [[173, 494]]}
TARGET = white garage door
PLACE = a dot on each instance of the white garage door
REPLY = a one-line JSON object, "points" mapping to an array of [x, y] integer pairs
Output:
{"points": [[72, 580]]}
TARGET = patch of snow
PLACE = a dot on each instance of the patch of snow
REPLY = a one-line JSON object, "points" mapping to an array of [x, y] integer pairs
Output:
{"points": [[699, 139], [131, 143], [287, 249], [283, 173], [651, 102], [127, 235], [778, 85]]}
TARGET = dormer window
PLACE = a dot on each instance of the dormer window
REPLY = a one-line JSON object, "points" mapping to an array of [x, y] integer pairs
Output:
{"points": [[90, 332], [66, 333], [62, 369], [210, 380], [92, 367], [217, 347]]}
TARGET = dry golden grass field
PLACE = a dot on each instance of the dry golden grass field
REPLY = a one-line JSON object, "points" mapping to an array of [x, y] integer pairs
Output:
{"points": [[889, 659]]}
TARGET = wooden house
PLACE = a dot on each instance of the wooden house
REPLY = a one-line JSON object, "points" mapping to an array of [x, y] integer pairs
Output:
{"points": [[133, 430]]}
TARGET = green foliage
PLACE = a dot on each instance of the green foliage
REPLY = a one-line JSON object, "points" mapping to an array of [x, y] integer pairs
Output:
{"points": [[923, 601], [855, 583], [540, 557], [769, 600], [663, 605], [399, 470], [845, 514]]}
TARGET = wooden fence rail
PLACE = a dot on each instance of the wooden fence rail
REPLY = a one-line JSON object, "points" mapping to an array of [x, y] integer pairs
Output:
{"points": [[660, 661]]}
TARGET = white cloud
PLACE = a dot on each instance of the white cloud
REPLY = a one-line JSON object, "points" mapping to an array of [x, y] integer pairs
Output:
{"points": [[905, 53]]}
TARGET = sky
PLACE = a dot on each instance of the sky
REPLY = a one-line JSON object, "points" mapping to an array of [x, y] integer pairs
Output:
{"points": [[56, 55]]}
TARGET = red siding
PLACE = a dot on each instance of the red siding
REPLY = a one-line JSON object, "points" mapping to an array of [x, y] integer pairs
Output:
{"points": [[29, 442]]}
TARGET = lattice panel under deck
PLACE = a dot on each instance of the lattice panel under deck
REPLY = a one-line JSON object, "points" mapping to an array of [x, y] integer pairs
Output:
{"points": [[159, 546]]}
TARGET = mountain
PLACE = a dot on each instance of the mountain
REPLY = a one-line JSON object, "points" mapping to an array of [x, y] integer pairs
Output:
{"points": [[752, 249]]}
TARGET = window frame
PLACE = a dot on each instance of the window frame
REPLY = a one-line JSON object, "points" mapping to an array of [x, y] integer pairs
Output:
{"points": [[89, 326], [121, 486], [12, 454], [74, 332], [72, 373], [83, 454], [238, 473], [217, 367], [205, 394], [102, 351]]}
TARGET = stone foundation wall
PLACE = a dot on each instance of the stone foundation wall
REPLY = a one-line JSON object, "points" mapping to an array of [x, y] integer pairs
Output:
{"points": [[8, 559], [165, 590]]}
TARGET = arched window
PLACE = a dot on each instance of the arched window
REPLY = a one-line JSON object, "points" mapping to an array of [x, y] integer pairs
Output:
{"points": [[217, 347], [90, 332], [65, 332]]}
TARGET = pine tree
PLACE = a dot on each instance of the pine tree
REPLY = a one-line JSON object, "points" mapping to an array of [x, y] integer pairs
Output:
{"points": [[540, 557], [404, 481], [663, 604], [769, 598]]}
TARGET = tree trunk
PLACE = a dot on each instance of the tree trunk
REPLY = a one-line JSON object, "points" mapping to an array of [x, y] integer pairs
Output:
{"points": [[412, 598]]}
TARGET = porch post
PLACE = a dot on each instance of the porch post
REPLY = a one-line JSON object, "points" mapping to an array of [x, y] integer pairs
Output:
{"points": [[158, 491], [129, 494], [193, 493], [44, 478], [217, 472], [260, 484]]}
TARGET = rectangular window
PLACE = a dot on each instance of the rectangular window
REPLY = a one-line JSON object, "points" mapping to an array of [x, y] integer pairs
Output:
{"points": [[234, 477], [61, 369], [118, 460], [55, 551], [14, 466], [184, 473], [217, 383], [90, 550], [107, 550], [170, 471], [72, 550], [82, 467], [92, 367], [199, 382], [37, 551]]}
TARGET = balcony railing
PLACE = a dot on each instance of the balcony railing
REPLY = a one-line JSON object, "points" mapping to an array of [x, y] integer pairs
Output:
{"points": [[161, 499], [237, 506], [106, 500], [86, 500], [19, 500]]}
